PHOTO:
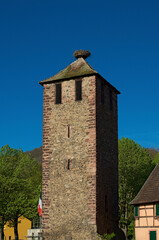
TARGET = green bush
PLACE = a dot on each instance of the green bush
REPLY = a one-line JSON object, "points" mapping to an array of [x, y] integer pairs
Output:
{"points": [[107, 236]]}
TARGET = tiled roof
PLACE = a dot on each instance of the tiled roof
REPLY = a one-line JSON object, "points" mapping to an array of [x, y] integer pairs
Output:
{"points": [[78, 68], [149, 192]]}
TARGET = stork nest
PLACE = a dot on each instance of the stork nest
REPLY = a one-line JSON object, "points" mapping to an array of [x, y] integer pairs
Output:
{"points": [[81, 53]]}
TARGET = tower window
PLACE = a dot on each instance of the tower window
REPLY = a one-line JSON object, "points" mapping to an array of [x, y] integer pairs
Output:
{"points": [[58, 93], [78, 85], [111, 100], [102, 93]]}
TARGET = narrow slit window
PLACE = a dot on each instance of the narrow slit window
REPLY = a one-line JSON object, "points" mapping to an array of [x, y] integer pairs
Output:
{"points": [[68, 164], [78, 86], [102, 93], [58, 93], [111, 100], [68, 131]]}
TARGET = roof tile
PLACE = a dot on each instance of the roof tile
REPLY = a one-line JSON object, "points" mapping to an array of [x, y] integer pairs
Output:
{"points": [[149, 192]]}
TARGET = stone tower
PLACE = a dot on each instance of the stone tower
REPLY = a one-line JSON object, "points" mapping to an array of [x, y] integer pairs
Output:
{"points": [[80, 154]]}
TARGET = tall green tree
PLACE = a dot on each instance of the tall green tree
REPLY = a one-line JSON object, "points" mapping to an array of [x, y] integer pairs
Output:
{"points": [[20, 183], [135, 165]]}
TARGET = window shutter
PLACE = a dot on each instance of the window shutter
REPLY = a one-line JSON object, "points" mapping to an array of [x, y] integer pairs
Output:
{"points": [[152, 235], [136, 211], [157, 209]]}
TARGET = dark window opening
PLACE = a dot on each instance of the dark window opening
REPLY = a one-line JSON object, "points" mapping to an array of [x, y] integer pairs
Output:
{"points": [[102, 93], [106, 204], [78, 85], [111, 100], [68, 131], [9, 237], [58, 93], [68, 164]]}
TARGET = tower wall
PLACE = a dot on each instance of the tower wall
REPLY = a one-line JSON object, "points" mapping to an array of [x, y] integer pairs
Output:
{"points": [[107, 159], [69, 195]]}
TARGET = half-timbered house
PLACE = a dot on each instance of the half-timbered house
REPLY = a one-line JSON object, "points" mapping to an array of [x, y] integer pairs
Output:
{"points": [[146, 208]]}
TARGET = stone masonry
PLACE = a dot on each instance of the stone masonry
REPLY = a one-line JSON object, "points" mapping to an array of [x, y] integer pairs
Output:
{"points": [[81, 200]]}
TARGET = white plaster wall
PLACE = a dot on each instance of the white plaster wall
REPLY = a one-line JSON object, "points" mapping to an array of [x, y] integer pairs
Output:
{"points": [[146, 222], [144, 233]]}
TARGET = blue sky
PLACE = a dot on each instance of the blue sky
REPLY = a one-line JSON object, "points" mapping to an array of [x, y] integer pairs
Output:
{"points": [[38, 39]]}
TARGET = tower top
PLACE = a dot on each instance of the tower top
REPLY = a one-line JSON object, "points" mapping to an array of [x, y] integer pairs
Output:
{"points": [[79, 68], [81, 53]]}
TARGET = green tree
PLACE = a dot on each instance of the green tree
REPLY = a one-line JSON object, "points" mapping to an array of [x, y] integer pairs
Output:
{"points": [[135, 165], [20, 183], [156, 159], [3, 205]]}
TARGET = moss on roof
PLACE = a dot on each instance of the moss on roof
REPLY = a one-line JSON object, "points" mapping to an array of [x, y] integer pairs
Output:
{"points": [[78, 68]]}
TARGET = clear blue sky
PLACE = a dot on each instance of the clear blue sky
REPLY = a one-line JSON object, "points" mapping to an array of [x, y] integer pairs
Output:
{"points": [[38, 38]]}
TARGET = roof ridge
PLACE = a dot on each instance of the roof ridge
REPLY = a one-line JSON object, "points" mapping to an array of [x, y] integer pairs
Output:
{"points": [[89, 65]]}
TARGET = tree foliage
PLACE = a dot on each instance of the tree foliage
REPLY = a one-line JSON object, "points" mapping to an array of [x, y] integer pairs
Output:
{"points": [[156, 159], [135, 165], [20, 183]]}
